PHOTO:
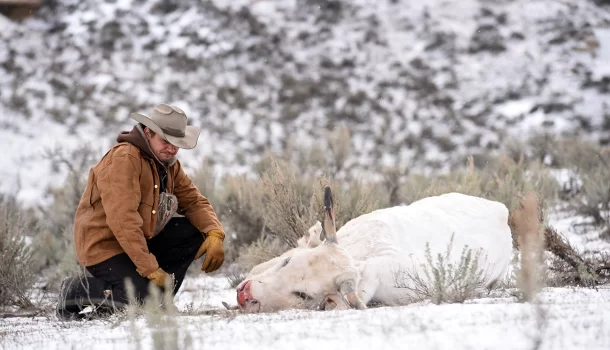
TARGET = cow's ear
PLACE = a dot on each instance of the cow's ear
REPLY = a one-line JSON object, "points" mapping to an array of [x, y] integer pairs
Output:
{"points": [[329, 228]]}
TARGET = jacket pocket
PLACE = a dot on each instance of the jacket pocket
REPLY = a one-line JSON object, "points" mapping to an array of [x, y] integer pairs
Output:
{"points": [[91, 189]]}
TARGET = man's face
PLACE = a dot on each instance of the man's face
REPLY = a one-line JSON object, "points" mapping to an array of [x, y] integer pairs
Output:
{"points": [[164, 150]]}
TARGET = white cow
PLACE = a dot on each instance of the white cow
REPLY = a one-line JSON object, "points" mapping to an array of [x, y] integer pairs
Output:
{"points": [[358, 264]]}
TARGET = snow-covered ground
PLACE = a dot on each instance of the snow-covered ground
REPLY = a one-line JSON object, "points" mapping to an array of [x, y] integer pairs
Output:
{"points": [[72, 77], [565, 318]]}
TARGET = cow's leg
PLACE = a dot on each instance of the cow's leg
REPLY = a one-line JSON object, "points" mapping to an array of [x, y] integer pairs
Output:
{"points": [[369, 281], [378, 282]]}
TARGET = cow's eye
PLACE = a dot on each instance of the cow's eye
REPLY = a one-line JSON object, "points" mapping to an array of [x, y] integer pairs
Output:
{"points": [[285, 262], [303, 296]]}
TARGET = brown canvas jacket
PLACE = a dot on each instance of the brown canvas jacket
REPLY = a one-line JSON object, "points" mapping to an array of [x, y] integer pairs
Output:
{"points": [[117, 211]]}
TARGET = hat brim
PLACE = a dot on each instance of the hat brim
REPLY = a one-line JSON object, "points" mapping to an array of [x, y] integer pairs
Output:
{"points": [[191, 133]]}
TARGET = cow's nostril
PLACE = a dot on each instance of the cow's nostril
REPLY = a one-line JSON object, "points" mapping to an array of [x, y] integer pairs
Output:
{"points": [[254, 302]]}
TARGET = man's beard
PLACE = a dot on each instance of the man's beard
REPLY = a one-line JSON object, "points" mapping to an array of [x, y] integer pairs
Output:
{"points": [[165, 157]]}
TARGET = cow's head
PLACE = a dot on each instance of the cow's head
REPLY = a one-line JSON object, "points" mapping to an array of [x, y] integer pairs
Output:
{"points": [[324, 277]]}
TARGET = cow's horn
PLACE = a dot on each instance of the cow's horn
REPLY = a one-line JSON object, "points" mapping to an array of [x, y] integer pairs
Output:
{"points": [[329, 228], [348, 291]]}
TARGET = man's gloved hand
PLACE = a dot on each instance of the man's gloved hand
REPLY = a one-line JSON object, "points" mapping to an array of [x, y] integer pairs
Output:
{"points": [[160, 277], [213, 249]]}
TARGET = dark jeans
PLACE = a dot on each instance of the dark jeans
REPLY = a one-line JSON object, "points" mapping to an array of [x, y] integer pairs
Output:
{"points": [[174, 247]]}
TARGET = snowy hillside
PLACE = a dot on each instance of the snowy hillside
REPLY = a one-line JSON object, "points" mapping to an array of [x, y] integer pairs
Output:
{"points": [[419, 84]]}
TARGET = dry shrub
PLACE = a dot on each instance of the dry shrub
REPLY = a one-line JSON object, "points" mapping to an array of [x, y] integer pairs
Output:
{"points": [[206, 180], [159, 312], [329, 156], [588, 189], [500, 180], [526, 222], [243, 210], [503, 180], [339, 144], [594, 199], [555, 151], [351, 199], [568, 267], [393, 178], [358, 198], [291, 204], [65, 198], [235, 277], [578, 154], [288, 187], [304, 160], [287, 205], [17, 258], [263, 249], [238, 203], [55, 244]]}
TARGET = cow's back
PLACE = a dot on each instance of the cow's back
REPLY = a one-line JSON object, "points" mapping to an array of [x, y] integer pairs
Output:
{"points": [[402, 233]]}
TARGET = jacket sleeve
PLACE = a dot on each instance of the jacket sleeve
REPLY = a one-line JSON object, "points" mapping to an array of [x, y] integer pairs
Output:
{"points": [[195, 206], [119, 186]]}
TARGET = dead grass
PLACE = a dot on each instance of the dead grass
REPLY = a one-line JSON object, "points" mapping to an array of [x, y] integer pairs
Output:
{"points": [[595, 195], [208, 183], [18, 266], [501, 180], [287, 203], [243, 209], [235, 278], [526, 222], [351, 199], [263, 249], [569, 267], [55, 244]]}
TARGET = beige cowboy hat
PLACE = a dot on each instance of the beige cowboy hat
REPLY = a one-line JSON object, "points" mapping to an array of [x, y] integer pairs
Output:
{"points": [[170, 123]]}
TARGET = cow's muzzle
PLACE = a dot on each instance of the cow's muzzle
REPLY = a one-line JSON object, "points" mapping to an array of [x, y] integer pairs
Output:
{"points": [[245, 300]]}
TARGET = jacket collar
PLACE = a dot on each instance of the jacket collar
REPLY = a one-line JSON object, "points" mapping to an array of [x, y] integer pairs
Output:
{"points": [[137, 138]]}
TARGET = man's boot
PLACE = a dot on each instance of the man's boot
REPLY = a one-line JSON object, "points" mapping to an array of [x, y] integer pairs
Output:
{"points": [[84, 297]]}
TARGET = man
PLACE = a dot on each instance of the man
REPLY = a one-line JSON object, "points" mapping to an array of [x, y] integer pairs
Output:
{"points": [[128, 224]]}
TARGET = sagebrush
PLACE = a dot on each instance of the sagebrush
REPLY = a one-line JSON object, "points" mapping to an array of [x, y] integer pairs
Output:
{"points": [[441, 278], [18, 264]]}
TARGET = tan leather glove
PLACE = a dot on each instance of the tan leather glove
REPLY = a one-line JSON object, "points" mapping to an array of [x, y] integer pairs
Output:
{"points": [[160, 277], [213, 249]]}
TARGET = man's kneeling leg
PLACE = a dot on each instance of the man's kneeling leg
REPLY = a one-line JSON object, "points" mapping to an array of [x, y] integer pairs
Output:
{"points": [[82, 297]]}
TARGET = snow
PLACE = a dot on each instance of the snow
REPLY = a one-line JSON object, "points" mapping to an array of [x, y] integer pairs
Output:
{"points": [[563, 318], [385, 62], [54, 66], [602, 60], [573, 318]]}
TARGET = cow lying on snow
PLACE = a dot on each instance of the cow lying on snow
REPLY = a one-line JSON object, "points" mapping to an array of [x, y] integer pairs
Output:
{"points": [[358, 264]]}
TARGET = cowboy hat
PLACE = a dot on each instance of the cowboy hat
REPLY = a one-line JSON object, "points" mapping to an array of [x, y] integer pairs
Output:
{"points": [[170, 123]]}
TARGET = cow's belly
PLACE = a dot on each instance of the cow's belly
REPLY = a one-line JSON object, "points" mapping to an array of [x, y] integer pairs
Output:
{"points": [[396, 238]]}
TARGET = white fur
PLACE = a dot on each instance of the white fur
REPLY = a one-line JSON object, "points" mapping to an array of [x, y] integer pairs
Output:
{"points": [[379, 244]]}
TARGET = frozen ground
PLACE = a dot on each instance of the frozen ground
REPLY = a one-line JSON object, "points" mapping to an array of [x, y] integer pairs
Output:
{"points": [[566, 318]]}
